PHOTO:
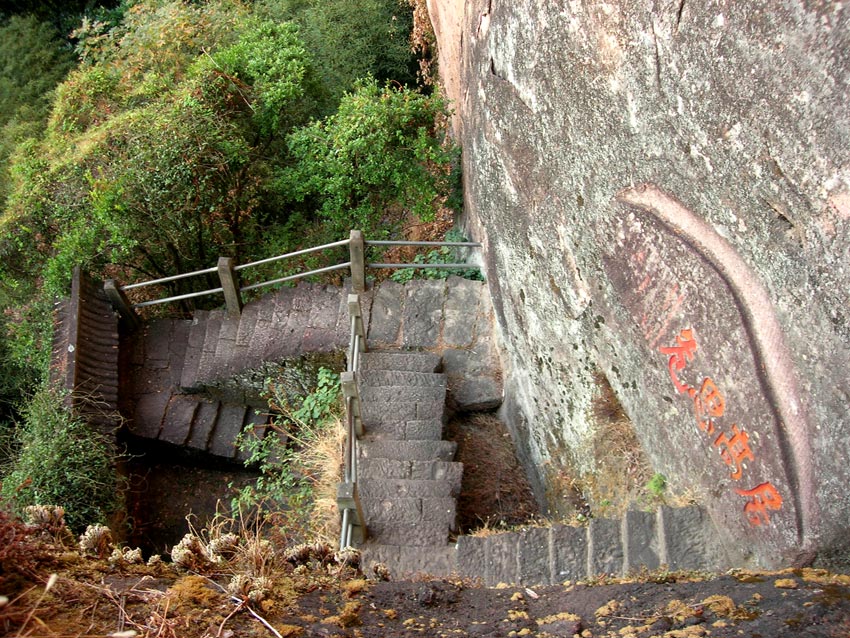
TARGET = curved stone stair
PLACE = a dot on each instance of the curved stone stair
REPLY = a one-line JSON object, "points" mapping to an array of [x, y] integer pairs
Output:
{"points": [[285, 323], [407, 480]]}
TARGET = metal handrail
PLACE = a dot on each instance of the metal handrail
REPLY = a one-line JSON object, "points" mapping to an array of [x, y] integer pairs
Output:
{"points": [[297, 253], [229, 285], [392, 242], [457, 266], [353, 411], [165, 280], [299, 275]]}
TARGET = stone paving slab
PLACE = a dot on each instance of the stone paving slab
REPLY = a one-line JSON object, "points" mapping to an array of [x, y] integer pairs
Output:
{"points": [[227, 428], [203, 425], [501, 562], [403, 488], [378, 468], [606, 552], [425, 362], [401, 377], [148, 415], [409, 450], [385, 393], [385, 321], [247, 323], [437, 470], [463, 300], [422, 534], [422, 313], [641, 547], [569, 546], [177, 423], [689, 540], [391, 510], [471, 556], [407, 562], [535, 559]]}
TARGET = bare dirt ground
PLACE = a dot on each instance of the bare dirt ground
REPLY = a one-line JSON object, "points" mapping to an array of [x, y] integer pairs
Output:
{"points": [[90, 598]]}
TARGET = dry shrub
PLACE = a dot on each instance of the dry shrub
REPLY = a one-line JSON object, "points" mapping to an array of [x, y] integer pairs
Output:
{"points": [[19, 547], [423, 42]]}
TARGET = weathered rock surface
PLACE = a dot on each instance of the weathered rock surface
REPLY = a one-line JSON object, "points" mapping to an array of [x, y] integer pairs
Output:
{"points": [[722, 326]]}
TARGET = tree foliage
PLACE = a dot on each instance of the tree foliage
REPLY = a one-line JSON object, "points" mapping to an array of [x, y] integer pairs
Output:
{"points": [[348, 42], [62, 461], [380, 151]]}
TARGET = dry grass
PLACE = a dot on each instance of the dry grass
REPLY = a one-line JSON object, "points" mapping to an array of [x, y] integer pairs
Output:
{"points": [[322, 458], [495, 493], [622, 468]]}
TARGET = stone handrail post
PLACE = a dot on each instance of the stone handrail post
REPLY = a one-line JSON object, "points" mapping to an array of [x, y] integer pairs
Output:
{"points": [[230, 286]]}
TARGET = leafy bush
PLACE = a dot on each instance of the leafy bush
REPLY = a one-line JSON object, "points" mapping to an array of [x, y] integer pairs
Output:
{"points": [[349, 42], [441, 255], [62, 461], [380, 151]]}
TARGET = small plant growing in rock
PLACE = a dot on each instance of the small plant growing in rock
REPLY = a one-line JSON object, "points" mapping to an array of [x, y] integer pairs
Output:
{"points": [[656, 485]]}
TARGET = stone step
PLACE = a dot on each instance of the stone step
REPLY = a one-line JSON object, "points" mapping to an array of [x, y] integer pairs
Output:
{"points": [[203, 425], [409, 511], [401, 488], [231, 419], [383, 468], [207, 365], [391, 412], [194, 348], [388, 393], [415, 430], [421, 534], [408, 450], [426, 362], [225, 349], [401, 377], [404, 561], [177, 422]]}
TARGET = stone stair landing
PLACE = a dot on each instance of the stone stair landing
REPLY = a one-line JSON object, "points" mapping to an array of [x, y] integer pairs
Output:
{"points": [[407, 481]]}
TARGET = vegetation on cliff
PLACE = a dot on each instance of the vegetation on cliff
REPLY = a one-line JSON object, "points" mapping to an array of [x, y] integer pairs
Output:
{"points": [[147, 137]]}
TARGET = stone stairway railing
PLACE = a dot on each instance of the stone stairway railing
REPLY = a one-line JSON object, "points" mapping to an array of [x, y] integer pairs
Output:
{"points": [[84, 357], [228, 274]]}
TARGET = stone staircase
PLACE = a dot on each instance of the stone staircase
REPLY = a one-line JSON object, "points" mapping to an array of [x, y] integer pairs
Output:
{"points": [[407, 481], [188, 381]]}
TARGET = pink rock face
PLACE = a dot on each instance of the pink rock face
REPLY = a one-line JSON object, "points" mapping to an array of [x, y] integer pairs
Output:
{"points": [[738, 112]]}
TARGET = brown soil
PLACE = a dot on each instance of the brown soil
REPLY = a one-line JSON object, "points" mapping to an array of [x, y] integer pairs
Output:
{"points": [[89, 598], [495, 492]]}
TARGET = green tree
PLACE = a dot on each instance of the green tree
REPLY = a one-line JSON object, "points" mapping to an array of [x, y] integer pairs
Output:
{"points": [[156, 167], [349, 42], [380, 153], [33, 60]]}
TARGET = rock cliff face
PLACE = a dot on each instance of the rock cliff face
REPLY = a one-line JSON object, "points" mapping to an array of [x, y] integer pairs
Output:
{"points": [[663, 189]]}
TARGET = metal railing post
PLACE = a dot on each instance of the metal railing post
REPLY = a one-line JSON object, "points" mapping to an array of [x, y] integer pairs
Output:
{"points": [[121, 304], [349, 390], [357, 250], [229, 286]]}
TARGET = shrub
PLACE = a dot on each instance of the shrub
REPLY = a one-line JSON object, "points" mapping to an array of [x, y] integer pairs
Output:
{"points": [[380, 152], [62, 461]]}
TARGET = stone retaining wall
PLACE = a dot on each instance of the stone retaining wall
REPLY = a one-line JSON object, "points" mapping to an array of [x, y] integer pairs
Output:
{"points": [[678, 538]]}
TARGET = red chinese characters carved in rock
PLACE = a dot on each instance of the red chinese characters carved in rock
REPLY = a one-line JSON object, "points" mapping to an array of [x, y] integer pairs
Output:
{"points": [[734, 449], [680, 354], [760, 499]]}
